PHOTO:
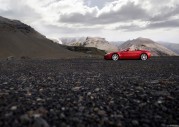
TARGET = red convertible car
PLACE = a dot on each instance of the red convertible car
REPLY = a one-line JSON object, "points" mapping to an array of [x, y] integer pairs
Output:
{"points": [[127, 54]]}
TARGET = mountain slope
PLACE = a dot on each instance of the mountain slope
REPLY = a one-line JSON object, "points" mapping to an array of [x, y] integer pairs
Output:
{"points": [[172, 46], [18, 39], [147, 44]]}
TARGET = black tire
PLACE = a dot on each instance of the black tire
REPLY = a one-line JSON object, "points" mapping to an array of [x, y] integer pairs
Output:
{"points": [[143, 56], [115, 57]]}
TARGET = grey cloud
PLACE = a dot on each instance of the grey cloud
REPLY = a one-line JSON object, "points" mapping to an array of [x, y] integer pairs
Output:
{"points": [[166, 13], [99, 3], [151, 25], [164, 24], [48, 29], [128, 12], [131, 27], [78, 18], [67, 30], [20, 13]]}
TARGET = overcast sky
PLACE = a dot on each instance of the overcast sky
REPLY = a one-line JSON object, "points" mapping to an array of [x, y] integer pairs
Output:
{"points": [[115, 20]]}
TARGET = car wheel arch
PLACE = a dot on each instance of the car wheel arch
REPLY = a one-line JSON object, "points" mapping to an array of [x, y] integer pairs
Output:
{"points": [[144, 53], [116, 53]]}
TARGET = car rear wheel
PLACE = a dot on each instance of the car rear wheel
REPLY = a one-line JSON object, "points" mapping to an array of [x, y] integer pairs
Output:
{"points": [[115, 57], [144, 57]]}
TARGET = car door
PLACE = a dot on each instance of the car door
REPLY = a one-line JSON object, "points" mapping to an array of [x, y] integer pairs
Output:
{"points": [[136, 54], [127, 54]]}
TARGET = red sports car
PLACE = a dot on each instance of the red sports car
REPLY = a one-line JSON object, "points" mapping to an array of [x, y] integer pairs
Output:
{"points": [[127, 54]]}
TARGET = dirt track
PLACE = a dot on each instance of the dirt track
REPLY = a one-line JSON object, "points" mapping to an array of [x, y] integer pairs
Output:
{"points": [[79, 92]]}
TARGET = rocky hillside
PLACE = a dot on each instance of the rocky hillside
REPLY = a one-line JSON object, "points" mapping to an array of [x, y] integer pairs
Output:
{"points": [[100, 43], [18, 39], [97, 42], [147, 44], [73, 41]]}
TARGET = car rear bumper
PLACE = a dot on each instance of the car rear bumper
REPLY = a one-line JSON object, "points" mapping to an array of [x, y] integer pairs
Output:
{"points": [[107, 57]]}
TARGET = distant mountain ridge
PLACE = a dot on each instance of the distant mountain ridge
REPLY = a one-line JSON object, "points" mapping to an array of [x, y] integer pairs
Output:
{"points": [[172, 46], [72, 41], [97, 42], [155, 48]]}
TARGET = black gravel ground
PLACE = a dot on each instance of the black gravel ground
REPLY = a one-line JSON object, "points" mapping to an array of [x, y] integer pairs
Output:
{"points": [[91, 93]]}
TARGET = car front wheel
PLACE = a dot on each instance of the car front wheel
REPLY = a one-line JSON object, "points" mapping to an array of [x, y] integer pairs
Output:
{"points": [[144, 57], [115, 57]]}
